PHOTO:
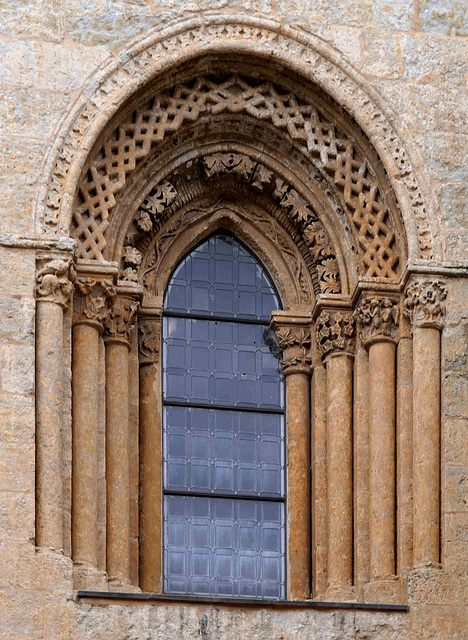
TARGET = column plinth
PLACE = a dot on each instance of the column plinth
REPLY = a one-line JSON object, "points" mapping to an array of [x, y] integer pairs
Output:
{"points": [[293, 334]]}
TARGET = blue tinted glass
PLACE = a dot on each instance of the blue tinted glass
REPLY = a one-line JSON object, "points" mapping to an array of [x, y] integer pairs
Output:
{"points": [[224, 547], [223, 363], [223, 451], [220, 277]]}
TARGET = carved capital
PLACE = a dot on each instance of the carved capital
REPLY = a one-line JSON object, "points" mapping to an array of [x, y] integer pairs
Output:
{"points": [[377, 319], [93, 300], [424, 303], [335, 331], [121, 320], [149, 339], [54, 282], [294, 343]]}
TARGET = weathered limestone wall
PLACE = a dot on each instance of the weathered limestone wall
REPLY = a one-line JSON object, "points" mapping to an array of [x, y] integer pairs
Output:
{"points": [[415, 54]]}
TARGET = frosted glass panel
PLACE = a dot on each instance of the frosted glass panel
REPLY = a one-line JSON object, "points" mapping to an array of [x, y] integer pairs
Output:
{"points": [[223, 547]]}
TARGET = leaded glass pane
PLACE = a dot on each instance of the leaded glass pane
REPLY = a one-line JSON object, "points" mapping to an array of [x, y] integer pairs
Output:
{"points": [[227, 452], [220, 277], [224, 547], [223, 426]]}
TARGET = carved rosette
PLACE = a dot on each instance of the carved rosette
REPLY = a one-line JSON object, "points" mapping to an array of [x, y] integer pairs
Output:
{"points": [[335, 332], [294, 343], [93, 301], [424, 303], [121, 320], [377, 319], [54, 282], [149, 339]]}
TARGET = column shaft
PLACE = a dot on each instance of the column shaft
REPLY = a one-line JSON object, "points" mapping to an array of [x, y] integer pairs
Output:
{"points": [[117, 462], [298, 426], [404, 473], [426, 460], [150, 479], [49, 484], [319, 478], [339, 469], [85, 462], [382, 458]]}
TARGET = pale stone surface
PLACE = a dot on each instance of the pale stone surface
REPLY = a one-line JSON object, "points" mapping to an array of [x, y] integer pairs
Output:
{"points": [[38, 18], [444, 17]]}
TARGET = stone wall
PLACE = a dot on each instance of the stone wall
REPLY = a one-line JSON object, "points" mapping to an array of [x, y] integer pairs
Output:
{"points": [[414, 54]]}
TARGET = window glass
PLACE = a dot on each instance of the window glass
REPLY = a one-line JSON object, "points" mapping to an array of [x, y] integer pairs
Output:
{"points": [[223, 428]]}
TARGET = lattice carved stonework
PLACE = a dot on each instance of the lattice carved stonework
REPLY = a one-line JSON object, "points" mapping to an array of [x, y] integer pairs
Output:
{"points": [[252, 174], [135, 136]]}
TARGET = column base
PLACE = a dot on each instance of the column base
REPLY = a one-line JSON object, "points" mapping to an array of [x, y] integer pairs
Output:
{"points": [[121, 585], [88, 578], [339, 593], [384, 591]]}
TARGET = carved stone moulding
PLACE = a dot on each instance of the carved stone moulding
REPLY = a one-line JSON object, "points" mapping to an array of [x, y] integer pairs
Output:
{"points": [[292, 333], [335, 332], [54, 281], [377, 317], [424, 303]]}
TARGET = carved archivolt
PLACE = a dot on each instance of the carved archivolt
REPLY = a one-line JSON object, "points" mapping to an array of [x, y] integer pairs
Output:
{"points": [[169, 110]]}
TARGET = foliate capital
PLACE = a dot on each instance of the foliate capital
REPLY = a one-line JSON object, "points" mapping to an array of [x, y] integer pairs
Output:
{"points": [[294, 343], [121, 320], [93, 300], [424, 303], [377, 319], [335, 332], [149, 339], [54, 282]]}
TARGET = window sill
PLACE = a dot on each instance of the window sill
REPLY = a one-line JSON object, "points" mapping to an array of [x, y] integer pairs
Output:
{"points": [[114, 597]]}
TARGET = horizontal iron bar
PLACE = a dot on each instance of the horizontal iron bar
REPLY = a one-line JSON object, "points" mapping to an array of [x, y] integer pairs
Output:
{"points": [[240, 601], [234, 319], [201, 405], [230, 496]]}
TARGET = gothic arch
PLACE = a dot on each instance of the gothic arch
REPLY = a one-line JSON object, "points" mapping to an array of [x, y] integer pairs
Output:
{"points": [[214, 33]]}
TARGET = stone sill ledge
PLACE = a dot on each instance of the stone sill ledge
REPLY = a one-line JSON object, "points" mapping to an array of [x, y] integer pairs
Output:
{"points": [[118, 597]]}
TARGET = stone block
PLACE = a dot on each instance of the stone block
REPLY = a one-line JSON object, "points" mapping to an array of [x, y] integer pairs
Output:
{"points": [[17, 272], [101, 22], [455, 481], [386, 626], [48, 66], [455, 555], [455, 441], [30, 112], [17, 369], [454, 394], [455, 527], [383, 14], [17, 515], [22, 614], [33, 19], [444, 17], [17, 319], [16, 466], [17, 417], [437, 587], [453, 197], [17, 564]]}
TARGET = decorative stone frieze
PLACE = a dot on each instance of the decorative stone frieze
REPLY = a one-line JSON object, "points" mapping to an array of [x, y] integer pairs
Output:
{"points": [[160, 197], [54, 282], [377, 318], [149, 339], [335, 331], [94, 300], [121, 320], [424, 303]]}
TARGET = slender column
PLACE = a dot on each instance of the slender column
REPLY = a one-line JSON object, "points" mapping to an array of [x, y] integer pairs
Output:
{"points": [[92, 303], [404, 444], [425, 306], [335, 337], [361, 466], [377, 318], [293, 334], [319, 478], [117, 341], [54, 292], [149, 342]]}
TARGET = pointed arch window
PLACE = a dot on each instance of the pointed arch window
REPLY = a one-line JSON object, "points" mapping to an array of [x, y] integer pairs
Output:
{"points": [[223, 427]]}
